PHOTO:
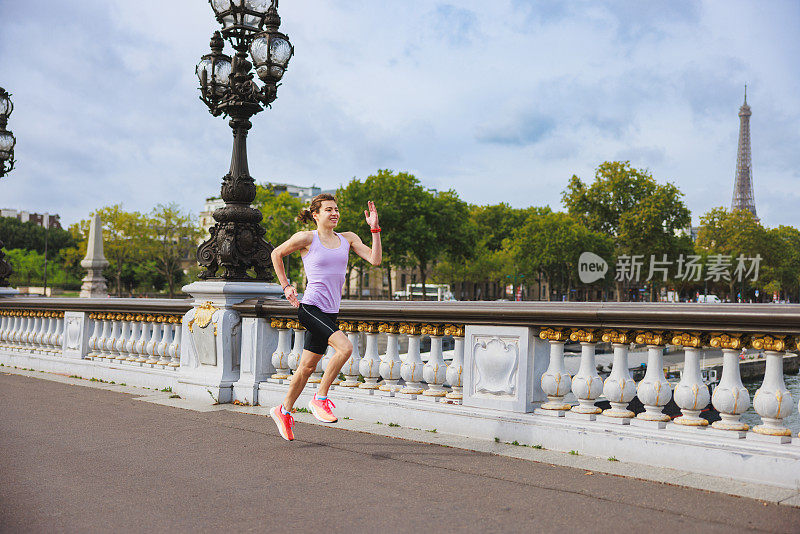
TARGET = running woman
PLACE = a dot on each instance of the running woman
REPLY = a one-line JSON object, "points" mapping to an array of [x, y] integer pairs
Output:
{"points": [[325, 254]]}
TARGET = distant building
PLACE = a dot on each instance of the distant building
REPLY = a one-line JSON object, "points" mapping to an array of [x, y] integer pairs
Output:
{"points": [[40, 219], [206, 216]]}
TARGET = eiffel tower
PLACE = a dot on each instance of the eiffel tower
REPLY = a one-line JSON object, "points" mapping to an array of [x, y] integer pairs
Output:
{"points": [[743, 198]]}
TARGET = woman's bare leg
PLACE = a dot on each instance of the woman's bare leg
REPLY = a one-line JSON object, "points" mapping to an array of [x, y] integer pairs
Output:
{"points": [[344, 349], [308, 362]]}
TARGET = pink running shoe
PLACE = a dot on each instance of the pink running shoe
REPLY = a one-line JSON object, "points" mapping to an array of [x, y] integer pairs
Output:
{"points": [[285, 422], [322, 410]]}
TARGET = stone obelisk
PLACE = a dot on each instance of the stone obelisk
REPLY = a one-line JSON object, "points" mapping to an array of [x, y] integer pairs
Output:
{"points": [[94, 284]]}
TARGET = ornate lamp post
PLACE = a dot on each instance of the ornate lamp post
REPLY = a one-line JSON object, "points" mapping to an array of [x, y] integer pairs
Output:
{"points": [[7, 142], [227, 87]]}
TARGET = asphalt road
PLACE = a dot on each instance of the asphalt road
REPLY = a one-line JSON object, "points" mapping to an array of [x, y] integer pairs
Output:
{"points": [[78, 459]]}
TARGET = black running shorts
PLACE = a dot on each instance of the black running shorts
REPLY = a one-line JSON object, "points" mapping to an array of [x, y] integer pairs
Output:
{"points": [[319, 327]]}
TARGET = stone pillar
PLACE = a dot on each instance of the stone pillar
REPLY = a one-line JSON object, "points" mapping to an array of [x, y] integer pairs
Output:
{"points": [[94, 284], [503, 366], [76, 335], [211, 346], [259, 341]]}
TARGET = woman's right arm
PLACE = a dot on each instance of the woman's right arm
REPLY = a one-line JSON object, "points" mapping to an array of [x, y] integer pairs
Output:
{"points": [[299, 241]]}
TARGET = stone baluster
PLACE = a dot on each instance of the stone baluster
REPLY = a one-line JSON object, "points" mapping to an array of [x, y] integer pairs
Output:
{"points": [[555, 381], [691, 394], [116, 327], [619, 388], [166, 341], [297, 344], [8, 326], [121, 343], [49, 326], [59, 331], [13, 338], [772, 400], [93, 333], [48, 338], [411, 370], [104, 335], [730, 397], [455, 371], [144, 339], [155, 338], [17, 335], [369, 367], [586, 384], [653, 390], [280, 358], [175, 346], [435, 371], [41, 328], [133, 339], [316, 376], [4, 320], [350, 369], [30, 332], [390, 363]]}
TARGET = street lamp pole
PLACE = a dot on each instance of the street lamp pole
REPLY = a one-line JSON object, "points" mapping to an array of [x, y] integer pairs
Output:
{"points": [[7, 142], [237, 241]]}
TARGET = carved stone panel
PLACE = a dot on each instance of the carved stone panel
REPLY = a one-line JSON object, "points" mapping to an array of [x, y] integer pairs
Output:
{"points": [[502, 367]]}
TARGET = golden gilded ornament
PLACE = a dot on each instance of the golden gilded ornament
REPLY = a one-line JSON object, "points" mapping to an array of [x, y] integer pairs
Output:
{"points": [[455, 330], [202, 316], [585, 336], [688, 339], [432, 329], [412, 329], [768, 342], [727, 341], [389, 328], [554, 334], [617, 336], [368, 327], [652, 337]]}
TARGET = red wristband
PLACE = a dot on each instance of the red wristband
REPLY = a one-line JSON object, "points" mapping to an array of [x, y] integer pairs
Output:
{"points": [[375, 230]]}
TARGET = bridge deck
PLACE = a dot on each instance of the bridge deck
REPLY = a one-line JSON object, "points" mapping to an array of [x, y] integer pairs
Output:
{"points": [[87, 459]]}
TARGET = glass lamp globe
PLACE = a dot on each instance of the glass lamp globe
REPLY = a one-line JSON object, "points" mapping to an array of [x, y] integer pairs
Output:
{"points": [[242, 15], [214, 69], [271, 51], [7, 143], [6, 106]]}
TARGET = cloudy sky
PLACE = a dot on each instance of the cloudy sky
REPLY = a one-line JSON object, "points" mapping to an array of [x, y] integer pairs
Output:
{"points": [[500, 100]]}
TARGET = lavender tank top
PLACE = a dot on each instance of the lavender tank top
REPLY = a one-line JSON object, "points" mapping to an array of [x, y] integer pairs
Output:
{"points": [[325, 270]]}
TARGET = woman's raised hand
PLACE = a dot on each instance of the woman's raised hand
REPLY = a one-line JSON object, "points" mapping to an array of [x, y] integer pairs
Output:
{"points": [[371, 215]]}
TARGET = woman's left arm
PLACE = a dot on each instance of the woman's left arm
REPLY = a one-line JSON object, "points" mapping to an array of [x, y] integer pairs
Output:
{"points": [[373, 255]]}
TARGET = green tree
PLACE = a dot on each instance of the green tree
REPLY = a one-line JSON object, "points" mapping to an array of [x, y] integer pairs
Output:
{"points": [[280, 222], [642, 216], [733, 233], [125, 240], [551, 243], [171, 240]]}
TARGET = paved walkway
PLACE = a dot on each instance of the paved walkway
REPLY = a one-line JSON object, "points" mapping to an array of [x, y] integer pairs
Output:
{"points": [[79, 459]]}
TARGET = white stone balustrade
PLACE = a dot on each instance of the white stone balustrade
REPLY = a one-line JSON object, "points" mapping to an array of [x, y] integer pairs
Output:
{"points": [[730, 397], [350, 370], [691, 394], [556, 381], [514, 367], [455, 371], [391, 364], [653, 390], [369, 367], [280, 358], [772, 401], [619, 388]]}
